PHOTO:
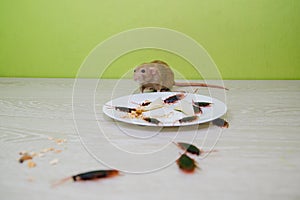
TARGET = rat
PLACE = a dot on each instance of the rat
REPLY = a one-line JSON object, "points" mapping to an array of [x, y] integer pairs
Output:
{"points": [[158, 76]]}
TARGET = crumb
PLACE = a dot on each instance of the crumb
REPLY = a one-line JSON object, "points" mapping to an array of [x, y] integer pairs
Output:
{"points": [[41, 155], [47, 150], [33, 154], [22, 152], [57, 151], [30, 179], [31, 164], [60, 141], [25, 157], [53, 162]]}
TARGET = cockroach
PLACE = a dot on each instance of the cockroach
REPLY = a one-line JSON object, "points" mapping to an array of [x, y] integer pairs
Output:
{"points": [[188, 119], [221, 123], [124, 109], [145, 103], [91, 175], [202, 104], [152, 120], [186, 164], [192, 149], [189, 148], [174, 98]]}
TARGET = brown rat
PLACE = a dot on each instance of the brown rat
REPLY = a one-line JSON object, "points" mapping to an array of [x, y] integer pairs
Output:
{"points": [[158, 76]]}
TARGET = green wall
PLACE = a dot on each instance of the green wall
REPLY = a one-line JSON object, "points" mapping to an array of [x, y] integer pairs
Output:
{"points": [[247, 39]]}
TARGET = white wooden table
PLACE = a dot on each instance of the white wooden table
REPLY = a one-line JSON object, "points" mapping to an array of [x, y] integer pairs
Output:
{"points": [[257, 156]]}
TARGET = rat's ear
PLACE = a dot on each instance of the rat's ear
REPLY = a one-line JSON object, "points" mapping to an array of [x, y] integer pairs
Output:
{"points": [[153, 70]]}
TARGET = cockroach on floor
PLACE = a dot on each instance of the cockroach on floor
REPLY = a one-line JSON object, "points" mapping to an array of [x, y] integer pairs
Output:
{"points": [[87, 176], [192, 149], [186, 164], [152, 120], [189, 148], [174, 98], [221, 123]]}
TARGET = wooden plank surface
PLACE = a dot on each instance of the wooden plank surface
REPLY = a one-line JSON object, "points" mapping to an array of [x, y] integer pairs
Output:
{"points": [[257, 156]]}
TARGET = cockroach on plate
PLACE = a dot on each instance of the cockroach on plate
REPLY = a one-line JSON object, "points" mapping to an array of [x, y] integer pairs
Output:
{"points": [[124, 109], [197, 110], [186, 164], [152, 120], [188, 119], [174, 98], [92, 175], [221, 123], [144, 103], [189, 148], [202, 104]]}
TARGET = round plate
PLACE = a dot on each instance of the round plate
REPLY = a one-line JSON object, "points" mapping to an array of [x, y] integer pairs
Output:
{"points": [[168, 114]]}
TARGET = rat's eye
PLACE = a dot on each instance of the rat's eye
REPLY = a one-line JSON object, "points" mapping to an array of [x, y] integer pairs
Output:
{"points": [[143, 71], [134, 70]]}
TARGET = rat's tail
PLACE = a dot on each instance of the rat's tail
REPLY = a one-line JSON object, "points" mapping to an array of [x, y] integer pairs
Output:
{"points": [[199, 85]]}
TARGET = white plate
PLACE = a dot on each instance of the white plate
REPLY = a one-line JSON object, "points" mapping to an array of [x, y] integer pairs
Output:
{"points": [[166, 115]]}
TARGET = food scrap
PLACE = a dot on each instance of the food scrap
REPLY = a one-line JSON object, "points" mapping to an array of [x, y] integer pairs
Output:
{"points": [[57, 151], [31, 164], [58, 141], [53, 162], [25, 157], [33, 155]]}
